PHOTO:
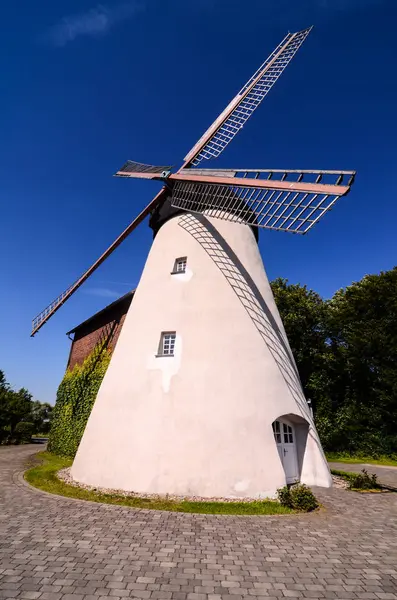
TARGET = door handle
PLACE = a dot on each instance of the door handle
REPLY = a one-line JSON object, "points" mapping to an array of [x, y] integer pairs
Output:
{"points": [[285, 451]]}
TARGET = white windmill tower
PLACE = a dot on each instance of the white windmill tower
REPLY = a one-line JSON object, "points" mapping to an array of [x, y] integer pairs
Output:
{"points": [[202, 395]]}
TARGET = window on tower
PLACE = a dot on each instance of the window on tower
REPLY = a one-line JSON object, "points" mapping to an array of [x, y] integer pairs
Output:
{"points": [[179, 265], [167, 343]]}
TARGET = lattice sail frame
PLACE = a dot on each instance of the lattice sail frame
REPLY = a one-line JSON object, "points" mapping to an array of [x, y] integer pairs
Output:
{"points": [[237, 113], [136, 169], [293, 206]]}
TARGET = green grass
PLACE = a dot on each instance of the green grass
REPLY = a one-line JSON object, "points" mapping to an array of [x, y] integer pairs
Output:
{"points": [[346, 458], [348, 475], [44, 477]]}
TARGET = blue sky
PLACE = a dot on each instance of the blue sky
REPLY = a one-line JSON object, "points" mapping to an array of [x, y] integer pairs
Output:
{"points": [[86, 86]]}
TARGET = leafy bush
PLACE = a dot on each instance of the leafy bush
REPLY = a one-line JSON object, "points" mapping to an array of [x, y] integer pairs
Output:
{"points": [[303, 498], [23, 432], [75, 399], [284, 496], [358, 481], [298, 497], [363, 481]]}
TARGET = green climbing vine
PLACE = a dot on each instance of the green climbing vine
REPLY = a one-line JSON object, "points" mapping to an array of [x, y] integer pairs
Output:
{"points": [[75, 399]]}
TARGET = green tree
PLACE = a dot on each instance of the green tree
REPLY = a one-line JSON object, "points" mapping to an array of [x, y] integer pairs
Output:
{"points": [[303, 313], [20, 415], [41, 415], [17, 407], [362, 326], [4, 387], [3, 382]]}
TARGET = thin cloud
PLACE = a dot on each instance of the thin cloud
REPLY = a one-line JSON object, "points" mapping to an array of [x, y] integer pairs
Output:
{"points": [[102, 292], [95, 22]]}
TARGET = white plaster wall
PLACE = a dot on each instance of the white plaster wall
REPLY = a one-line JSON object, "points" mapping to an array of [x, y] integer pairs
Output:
{"points": [[315, 469], [198, 423]]}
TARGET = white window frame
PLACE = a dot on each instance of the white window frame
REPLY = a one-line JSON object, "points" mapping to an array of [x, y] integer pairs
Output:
{"points": [[167, 344], [179, 262]]}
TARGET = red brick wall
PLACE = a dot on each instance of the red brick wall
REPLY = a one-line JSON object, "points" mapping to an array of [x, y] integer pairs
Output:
{"points": [[107, 324]]}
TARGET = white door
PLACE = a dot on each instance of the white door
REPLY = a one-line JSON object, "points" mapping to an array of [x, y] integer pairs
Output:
{"points": [[284, 436]]}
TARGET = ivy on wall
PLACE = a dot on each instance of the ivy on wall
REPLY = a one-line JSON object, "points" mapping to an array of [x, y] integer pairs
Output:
{"points": [[75, 399]]}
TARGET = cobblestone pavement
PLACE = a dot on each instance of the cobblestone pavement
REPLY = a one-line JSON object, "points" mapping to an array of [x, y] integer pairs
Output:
{"points": [[53, 548]]}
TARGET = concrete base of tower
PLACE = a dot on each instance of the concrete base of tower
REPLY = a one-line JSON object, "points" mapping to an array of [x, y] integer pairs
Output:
{"points": [[225, 415]]}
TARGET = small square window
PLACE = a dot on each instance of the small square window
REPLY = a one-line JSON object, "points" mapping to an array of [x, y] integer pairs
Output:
{"points": [[180, 265], [167, 343]]}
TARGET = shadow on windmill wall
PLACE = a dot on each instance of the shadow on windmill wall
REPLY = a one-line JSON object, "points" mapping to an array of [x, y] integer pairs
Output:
{"points": [[250, 297]]}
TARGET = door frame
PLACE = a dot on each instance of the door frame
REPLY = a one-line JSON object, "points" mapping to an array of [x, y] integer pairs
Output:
{"points": [[283, 421]]}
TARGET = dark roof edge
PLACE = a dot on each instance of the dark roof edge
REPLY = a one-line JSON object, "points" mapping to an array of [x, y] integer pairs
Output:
{"points": [[108, 307]]}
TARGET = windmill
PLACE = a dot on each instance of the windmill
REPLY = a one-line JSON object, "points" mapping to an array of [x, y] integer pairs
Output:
{"points": [[202, 395]]}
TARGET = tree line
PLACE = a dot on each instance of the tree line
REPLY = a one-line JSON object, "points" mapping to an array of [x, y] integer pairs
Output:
{"points": [[346, 353], [20, 415]]}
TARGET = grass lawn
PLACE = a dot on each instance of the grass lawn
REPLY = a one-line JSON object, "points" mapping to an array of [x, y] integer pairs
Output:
{"points": [[43, 476], [386, 461]]}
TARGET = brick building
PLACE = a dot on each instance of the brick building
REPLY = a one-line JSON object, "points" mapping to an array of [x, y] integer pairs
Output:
{"points": [[104, 325]]}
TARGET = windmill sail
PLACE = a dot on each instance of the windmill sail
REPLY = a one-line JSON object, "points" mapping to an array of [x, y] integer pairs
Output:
{"points": [[136, 169], [281, 205], [237, 113], [56, 304]]}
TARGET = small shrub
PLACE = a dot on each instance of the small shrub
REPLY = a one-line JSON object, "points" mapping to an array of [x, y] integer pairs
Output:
{"points": [[303, 498], [284, 496], [23, 432], [359, 481], [5, 435], [363, 481], [298, 497]]}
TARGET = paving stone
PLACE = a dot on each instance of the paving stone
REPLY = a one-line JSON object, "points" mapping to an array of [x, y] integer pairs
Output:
{"points": [[63, 549]]}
